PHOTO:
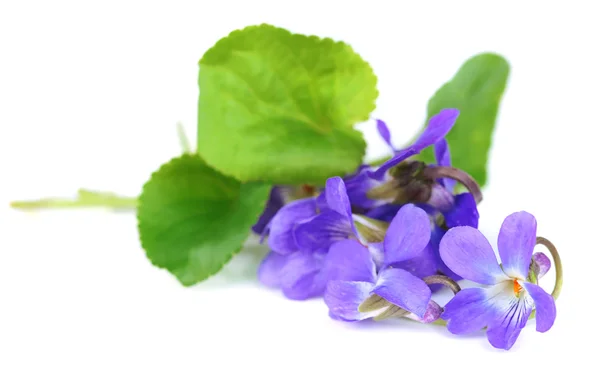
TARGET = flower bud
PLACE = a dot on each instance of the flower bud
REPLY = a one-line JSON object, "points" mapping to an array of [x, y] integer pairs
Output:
{"points": [[408, 184]]}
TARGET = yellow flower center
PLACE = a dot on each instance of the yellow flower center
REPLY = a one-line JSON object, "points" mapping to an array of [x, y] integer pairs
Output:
{"points": [[517, 287]]}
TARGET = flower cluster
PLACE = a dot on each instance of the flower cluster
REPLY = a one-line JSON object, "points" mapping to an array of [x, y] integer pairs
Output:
{"points": [[380, 242]]}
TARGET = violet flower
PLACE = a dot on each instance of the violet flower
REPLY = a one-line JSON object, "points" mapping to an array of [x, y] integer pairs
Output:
{"points": [[506, 304], [279, 196], [354, 282], [300, 235], [434, 195], [295, 271], [457, 210], [334, 223], [377, 193], [414, 184], [460, 209]]}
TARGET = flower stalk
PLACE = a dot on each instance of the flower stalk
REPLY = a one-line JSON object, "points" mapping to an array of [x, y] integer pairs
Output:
{"points": [[438, 172], [557, 265], [443, 280], [557, 268]]}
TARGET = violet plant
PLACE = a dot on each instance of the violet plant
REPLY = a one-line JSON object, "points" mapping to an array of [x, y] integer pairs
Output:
{"points": [[278, 156]]}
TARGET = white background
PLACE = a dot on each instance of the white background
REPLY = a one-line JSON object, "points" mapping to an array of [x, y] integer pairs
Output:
{"points": [[89, 96]]}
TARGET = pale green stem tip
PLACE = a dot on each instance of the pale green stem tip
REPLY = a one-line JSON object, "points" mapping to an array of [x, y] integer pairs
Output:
{"points": [[184, 142], [85, 198]]}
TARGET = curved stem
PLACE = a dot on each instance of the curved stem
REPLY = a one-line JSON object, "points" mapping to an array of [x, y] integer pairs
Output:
{"points": [[461, 176], [557, 264], [446, 281], [443, 280], [557, 268]]}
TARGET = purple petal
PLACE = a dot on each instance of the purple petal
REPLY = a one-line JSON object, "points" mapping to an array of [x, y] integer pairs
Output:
{"points": [[545, 308], [269, 271], [442, 153], [407, 291], [433, 313], [357, 186], [423, 265], [504, 336], [407, 235], [384, 132], [496, 308], [469, 311], [264, 233], [469, 254], [384, 212], [320, 232], [337, 198], [442, 157], [464, 212], [281, 237], [348, 260], [543, 263], [516, 241], [436, 236], [322, 202], [505, 330], [336, 317], [441, 198], [400, 156], [427, 208], [301, 276], [377, 253], [344, 297], [274, 203], [439, 125]]}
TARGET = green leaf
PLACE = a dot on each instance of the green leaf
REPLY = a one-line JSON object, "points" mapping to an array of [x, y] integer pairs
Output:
{"points": [[192, 219], [476, 90], [281, 107]]}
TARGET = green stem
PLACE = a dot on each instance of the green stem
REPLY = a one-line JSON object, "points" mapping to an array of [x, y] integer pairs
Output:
{"points": [[90, 198], [183, 139], [85, 198]]}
